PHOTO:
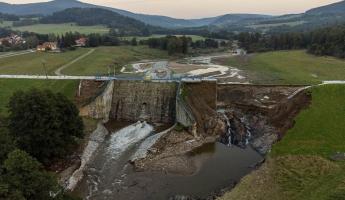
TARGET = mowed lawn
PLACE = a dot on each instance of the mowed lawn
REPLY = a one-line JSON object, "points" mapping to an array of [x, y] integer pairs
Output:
{"points": [[60, 29], [98, 62], [289, 67], [299, 167], [9, 86], [32, 63]]}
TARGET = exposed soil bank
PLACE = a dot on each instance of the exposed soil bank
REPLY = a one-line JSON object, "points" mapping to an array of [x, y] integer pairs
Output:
{"points": [[181, 163], [268, 111], [214, 165]]}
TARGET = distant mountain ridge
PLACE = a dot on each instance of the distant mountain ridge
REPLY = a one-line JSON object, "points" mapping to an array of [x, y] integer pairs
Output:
{"points": [[316, 17], [48, 8], [338, 7]]}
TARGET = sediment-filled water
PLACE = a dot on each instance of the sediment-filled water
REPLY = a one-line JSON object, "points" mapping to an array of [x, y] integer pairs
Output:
{"points": [[110, 176]]}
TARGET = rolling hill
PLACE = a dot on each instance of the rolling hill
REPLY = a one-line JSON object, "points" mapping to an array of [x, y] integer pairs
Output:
{"points": [[48, 8], [314, 18], [98, 16]]}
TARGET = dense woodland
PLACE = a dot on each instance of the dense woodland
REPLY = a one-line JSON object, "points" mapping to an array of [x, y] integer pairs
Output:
{"points": [[181, 45], [327, 41], [119, 24], [8, 17], [41, 127]]}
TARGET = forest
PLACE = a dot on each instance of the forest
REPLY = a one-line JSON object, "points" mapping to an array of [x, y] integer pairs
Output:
{"points": [[326, 41], [94, 16]]}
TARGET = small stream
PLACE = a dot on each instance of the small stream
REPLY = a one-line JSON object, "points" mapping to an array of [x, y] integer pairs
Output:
{"points": [[110, 176]]}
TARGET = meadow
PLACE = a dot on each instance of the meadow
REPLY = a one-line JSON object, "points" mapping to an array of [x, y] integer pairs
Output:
{"points": [[289, 67], [32, 63], [94, 64], [194, 37], [9, 86], [58, 29], [299, 166], [99, 61]]}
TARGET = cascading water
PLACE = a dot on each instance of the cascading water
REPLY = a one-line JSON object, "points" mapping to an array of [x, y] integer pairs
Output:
{"points": [[106, 172], [126, 137], [238, 131], [229, 131]]}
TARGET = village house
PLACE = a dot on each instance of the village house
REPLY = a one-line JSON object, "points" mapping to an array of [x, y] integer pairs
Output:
{"points": [[12, 40], [47, 46], [81, 42]]}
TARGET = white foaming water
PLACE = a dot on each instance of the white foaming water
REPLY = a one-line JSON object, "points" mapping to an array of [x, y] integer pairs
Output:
{"points": [[108, 166], [124, 138]]}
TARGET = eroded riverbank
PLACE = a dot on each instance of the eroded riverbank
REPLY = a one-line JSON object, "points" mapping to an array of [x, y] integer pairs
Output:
{"points": [[111, 176]]}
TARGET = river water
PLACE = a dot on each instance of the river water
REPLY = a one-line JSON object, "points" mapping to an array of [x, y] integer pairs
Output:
{"points": [[110, 176]]}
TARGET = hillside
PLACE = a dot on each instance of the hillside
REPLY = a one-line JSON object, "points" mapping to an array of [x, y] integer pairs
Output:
{"points": [[338, 7], [97, 16], [47, 8], [314, 18]]}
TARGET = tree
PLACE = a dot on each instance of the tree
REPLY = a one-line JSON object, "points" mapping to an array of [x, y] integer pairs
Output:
{"points": [[7, 144], [44, 124], [134, 42], [32, 41], [23, 178]]}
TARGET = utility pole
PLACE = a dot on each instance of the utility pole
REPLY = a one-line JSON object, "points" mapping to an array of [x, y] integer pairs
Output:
{"points": [[115, 64], [109, 69], [44, 68]]}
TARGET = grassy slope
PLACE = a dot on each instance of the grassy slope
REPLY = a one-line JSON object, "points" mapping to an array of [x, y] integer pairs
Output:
{"points": [[9, 86], [194, 37], [6, 24], [32, 63], [98, 62], [62, 28], [299, 167], [284, 67]]}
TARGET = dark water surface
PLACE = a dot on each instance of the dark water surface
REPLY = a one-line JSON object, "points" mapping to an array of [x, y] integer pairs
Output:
{"points": [[110, 176]]}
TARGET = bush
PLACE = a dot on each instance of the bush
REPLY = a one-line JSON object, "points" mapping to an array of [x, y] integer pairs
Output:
{"points": [[44, 124], [24, 178]]}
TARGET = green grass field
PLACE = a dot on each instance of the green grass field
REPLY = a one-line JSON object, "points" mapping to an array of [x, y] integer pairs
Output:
{"points": [[9, 86], [5, 24], [32, 63], [260, 26], [299, 166], [97, 63], [94, 64], [57, 28], [289, 67], [63, 28], [194, 37]]}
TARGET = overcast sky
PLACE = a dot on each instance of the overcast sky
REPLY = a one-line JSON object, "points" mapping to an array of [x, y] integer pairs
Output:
{"points": [[205, 8]]}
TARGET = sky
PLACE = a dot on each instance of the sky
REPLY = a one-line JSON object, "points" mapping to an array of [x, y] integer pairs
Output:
{"points": [[204, 8]]}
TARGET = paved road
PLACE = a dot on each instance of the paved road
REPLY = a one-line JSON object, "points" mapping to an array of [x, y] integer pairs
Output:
{"points": [[58, 71], [18, 53]]}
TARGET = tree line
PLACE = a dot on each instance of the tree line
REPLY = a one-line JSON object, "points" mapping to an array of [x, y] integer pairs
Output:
{"points": [[181, 45], [120, 25], [64, 41], [326, 41], [8, 17], [41, 127]]}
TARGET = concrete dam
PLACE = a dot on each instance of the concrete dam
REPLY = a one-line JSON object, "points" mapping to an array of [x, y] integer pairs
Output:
{"points": [[154, 102], [222, 131]]}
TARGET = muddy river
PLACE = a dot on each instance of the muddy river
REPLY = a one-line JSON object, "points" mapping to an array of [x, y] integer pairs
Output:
{"points": [[111, 176]]}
